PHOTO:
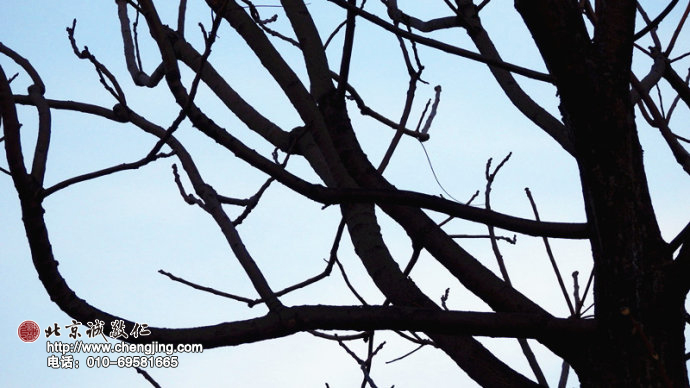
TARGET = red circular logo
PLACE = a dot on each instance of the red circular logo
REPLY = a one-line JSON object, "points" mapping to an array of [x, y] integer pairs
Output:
{"points": [[28, 331]]}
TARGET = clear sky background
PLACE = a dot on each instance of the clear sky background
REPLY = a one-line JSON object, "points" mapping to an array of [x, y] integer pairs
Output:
{"points": [[112, 235]]}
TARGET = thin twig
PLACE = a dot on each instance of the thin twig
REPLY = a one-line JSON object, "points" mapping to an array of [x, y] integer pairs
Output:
{"points": [[148, 377], [415, 75], [490, 176], [578, 308], [524, 345], [680, 154], [675, 102], [549, 253], [349, 285], [405, 355], [472, 198], [653, 24], [415, 338], [210, 290], [434, 108], [652, 31], [363, 363], [188, 198], [511, 240], [367, 111], [679, 27], [262, 23], [101, 70], [576, 290], [338, 337], [444, 299], [106, 171], [253, 202]]}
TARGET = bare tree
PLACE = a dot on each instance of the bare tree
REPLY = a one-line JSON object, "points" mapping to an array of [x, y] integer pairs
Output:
{"points": [[634, 336]]}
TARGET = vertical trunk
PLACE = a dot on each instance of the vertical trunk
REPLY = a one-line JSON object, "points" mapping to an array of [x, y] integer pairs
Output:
{"points": [[638, 307]]}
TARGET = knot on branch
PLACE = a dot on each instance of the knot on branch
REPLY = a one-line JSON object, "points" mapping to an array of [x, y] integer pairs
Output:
{"points": [[121, 113], [36, 89], [468, 17], [141, 79]]}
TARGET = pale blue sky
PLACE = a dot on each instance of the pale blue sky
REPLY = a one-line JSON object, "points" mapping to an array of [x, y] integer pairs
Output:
{"points": [[112, 235]]}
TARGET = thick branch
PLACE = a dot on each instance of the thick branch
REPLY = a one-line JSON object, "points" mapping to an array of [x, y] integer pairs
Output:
{"points": [[312, 48]]}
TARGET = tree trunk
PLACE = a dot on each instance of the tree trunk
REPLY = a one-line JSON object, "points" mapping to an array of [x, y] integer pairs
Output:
{"points": [[638, 304]]}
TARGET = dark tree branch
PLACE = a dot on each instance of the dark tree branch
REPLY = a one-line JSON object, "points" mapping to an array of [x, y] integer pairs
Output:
{"points": [[36, 95], [106, 171], [655, 23], [181, 13], [148, 377], [252, 302], [656, 72], [679, 153], [330, 196], [524, 345], [346, 57], [138, 75], [510, 240], [367, 111], [490, 176], [312, 47], [563, 379], [254, 12], [115, 90], [232, 100], [443, 46], [424, 26], [652, 32], [252, 202], [678, 84], [680, 239], [679, 27], [469, 19], [549, 253], [407, 108], [249, 302], [270, 58]]}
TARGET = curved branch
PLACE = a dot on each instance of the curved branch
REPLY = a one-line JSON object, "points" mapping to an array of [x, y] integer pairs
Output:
{"points": [[654, 23], [36, 94], [139, 77]]}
